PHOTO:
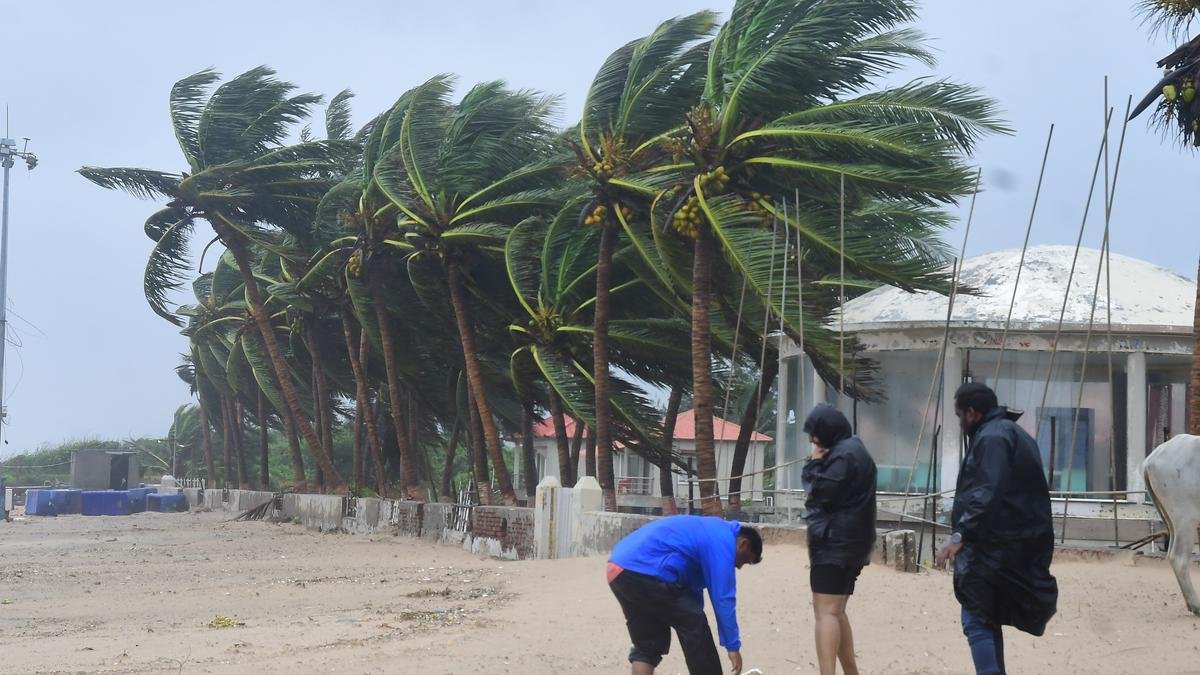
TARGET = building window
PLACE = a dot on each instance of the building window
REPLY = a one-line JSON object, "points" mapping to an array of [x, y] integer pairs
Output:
{"points": [[1071, 455]]}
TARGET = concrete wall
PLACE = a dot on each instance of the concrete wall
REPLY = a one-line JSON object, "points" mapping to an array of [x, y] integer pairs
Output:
{"points": [[91, 469], [435, 518], [510, 532], [599, 531]]}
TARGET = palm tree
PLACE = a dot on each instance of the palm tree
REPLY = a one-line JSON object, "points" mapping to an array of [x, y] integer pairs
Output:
{"points": [[550, 270], [461, 175], [640, 91], [1178, 108], [241, 179], [786, 113]]}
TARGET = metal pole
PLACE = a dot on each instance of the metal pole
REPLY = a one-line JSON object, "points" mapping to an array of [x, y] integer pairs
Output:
{"points": [[5, 151], [8, 151]]}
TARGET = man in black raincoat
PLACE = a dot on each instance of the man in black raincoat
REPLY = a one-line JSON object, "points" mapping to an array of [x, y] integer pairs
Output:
{"points": [[1003, 538]]}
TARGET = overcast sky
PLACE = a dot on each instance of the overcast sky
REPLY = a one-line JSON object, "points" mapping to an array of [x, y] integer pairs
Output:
{"points": [[88, 82]]}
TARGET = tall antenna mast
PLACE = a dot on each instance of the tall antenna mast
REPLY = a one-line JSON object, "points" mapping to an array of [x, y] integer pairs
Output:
{"points": [[8, 156]]}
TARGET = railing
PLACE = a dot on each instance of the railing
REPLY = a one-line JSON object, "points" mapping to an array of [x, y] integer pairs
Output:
{"points": [[635, 485]]}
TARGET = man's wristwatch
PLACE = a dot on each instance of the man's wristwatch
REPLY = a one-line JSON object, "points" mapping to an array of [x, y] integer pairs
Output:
{"points": [[956, 538]]}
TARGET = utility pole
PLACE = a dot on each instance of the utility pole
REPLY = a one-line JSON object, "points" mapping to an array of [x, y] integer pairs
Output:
{"points": [[8, 156]]}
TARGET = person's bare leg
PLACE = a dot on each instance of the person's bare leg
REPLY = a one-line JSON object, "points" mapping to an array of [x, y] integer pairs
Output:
{"points": [[846, 645], [640, 668], [828, 629]]}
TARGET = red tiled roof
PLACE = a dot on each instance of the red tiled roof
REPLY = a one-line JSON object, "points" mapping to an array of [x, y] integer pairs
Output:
{"points": [[723, 430], [685, 428]]}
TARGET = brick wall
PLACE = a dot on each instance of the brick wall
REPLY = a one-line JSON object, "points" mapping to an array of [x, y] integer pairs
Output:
{"points": [[510, 526], [407, 518]]}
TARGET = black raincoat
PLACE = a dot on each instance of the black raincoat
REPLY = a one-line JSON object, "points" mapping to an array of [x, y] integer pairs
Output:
{"points": [[1002, 509], [841, 493]]}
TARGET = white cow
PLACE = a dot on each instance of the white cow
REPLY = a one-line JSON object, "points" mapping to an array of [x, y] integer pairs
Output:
{"points": [[1173, 477]]}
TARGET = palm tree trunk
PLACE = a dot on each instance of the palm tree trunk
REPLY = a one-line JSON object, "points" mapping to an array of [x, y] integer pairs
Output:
{"points": [[299, 479], [749, 421], [408, 468], [264, 449], [240, 445], [424, 451], [604, 447], [475, 384], [356, 463], [358, 367], [566, 468], [702, 386], [527, 457], [1194, 388], [666, 477], [576, 446], [208, 451], [237, 247], [420, 451], [321, 408], [226, 442], [448, 467], [478, 455], [589, 459]]}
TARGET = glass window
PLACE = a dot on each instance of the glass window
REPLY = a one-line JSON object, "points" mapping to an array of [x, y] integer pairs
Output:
{"points": [[1075, 397]]}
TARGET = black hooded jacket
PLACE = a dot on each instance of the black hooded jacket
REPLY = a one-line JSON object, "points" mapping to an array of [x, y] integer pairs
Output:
{"points": [[1002, 510], [841, 493]]}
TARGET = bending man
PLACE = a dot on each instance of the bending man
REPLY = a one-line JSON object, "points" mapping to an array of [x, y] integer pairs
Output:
{"points": [[659, 573]]}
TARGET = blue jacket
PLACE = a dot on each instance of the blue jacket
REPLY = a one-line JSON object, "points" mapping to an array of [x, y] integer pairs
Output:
{"points": [[695, 552]]}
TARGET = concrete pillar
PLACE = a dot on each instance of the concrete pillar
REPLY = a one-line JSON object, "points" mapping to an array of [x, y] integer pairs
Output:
{"points": [[590, 497], [545, 518], [1135, 423], [951, 439], [818, 388]]}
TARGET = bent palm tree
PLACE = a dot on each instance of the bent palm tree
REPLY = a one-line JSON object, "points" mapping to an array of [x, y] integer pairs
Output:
{"points": [[786, 114], [241, 179], [640, 91], [461, 175]]}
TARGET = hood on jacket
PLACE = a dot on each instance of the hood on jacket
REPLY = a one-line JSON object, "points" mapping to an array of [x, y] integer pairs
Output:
{"points": [[828, 425]]}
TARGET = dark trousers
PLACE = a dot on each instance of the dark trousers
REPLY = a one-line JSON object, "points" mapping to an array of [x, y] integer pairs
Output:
{"points": [[652, 608], [987, 643]]}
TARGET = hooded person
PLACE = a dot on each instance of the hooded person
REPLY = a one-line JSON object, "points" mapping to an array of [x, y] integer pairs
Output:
{"points": [[1002, 540], [839, 481]]}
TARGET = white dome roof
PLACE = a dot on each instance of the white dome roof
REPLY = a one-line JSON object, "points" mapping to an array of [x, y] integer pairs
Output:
{"points": [[1144, 295]]}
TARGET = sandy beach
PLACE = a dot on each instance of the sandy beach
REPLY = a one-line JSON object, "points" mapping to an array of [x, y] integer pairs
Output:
{"points": [[193, 593]]}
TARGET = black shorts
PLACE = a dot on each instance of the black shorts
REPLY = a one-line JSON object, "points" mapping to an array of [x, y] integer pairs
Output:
{"points": [[833, 579], [652, 608]]}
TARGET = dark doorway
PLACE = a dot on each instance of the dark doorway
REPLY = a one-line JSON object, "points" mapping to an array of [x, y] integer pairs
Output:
{"points": [[118, 472]]}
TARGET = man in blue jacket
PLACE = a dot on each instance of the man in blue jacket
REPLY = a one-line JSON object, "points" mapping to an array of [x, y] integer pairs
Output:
{"points": [[659, 573]]}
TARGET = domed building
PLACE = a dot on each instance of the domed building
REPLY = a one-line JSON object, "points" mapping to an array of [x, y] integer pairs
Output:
{"points": [[918, 447]]}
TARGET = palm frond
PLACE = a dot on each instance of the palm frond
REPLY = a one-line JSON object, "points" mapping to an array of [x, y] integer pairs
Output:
{"points": [[337, 116], [168, 268], [955, 113], [522, 263], [141, 183], [187, 104]]}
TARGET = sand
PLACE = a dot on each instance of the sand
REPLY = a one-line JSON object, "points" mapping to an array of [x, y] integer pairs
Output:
{"points": [[137, 594]]}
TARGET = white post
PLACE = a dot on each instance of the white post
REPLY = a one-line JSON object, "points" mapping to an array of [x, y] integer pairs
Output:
{"points": [[818, 385], [951, 438], [545, 517], [783, 478], [1135, 424]]}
